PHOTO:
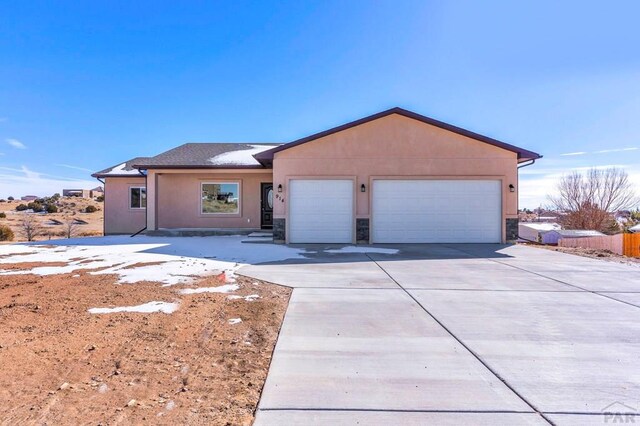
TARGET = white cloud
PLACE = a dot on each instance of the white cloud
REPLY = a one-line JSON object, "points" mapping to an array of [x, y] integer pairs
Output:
{"points": [[75, 168], [604, 151], [573, 153], [16, 143], [23, 181]]}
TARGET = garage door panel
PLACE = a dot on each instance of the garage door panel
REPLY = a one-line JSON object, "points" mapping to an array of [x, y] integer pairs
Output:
{"points": [[436, 211], [320, 211]]}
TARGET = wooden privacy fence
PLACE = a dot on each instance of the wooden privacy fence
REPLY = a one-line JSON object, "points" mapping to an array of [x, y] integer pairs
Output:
{"points": [[631, 244], [626, 244], [613, 243]]}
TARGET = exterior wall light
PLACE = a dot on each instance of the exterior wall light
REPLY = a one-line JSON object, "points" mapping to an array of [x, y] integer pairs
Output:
{"points": [[363, 188], [512, 188], [280, 187]]}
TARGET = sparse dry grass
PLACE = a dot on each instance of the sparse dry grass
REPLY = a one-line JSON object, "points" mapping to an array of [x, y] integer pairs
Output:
{"points": [[68, 207]]}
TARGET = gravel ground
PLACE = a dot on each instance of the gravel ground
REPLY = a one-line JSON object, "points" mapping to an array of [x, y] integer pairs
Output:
{"points": [[62, 364], [592, 253]]}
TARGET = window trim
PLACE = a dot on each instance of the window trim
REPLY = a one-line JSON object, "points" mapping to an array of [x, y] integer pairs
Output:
{"points": [[237, 213], [145, 197]]}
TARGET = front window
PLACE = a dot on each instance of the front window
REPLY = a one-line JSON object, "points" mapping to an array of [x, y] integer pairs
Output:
{"points": [[138, 197], [220, 198]]}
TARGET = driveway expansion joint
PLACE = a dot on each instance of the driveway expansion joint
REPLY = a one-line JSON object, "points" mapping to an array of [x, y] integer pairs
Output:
{"points": [[549, 278], [464, 345]]}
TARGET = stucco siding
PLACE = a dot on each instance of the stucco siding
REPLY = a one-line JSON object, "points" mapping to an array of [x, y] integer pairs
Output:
{"points": [[119, 218], [397, 147], [179, 196]]}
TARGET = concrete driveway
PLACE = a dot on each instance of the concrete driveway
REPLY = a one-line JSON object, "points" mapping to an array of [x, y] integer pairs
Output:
{"points": [[454, 334]]}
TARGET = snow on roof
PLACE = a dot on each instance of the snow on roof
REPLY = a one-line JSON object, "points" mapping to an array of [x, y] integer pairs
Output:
{"points": [[241, 157], [576, 233], [122, 170], [538, 226]]}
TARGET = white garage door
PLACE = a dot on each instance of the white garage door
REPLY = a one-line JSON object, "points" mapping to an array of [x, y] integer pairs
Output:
{"points": [[436, 211], [320, 211]]}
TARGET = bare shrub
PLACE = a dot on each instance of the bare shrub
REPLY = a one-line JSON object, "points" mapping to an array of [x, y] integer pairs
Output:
{"points": [[70, 227], [6, 234], [30, 227], [588, 201]]}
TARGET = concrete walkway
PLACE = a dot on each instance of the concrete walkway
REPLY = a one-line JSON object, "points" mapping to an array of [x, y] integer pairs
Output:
{"points": [[453, 334]]}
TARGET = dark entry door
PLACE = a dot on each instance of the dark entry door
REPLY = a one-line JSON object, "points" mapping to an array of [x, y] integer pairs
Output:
{"points": [[266, 221]]}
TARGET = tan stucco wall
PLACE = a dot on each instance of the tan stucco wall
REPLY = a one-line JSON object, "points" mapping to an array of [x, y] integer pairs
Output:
{"points": [[178, 198], [118, 217], [396, 146]]}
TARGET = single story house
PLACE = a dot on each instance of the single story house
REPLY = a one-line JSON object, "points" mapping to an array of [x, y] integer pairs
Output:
{"points": [[80, 193], [98, 191], [532, 231], [393, 177], [552, 237]]}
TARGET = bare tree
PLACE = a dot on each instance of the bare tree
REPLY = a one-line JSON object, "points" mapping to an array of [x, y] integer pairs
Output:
{"points": [[588, 201], [70, 227], [30, 227]]}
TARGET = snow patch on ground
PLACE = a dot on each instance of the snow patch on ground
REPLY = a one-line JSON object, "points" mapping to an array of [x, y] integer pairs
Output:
{"points": [[227, 288], [234, 321], [358, 249], [185, 258], [145, 308], [249, 298]]}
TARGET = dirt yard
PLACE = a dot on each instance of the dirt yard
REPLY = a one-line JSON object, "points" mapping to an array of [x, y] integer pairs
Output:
{"points": [[205, 363], [69, 208], [592, 253]]}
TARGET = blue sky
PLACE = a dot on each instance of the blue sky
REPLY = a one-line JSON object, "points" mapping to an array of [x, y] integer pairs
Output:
{"points": [[85, 85]]}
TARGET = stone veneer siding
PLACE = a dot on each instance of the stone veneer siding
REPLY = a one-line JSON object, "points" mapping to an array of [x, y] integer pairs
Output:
{"points": [[279, 233], [362, 230], [512, 229]]}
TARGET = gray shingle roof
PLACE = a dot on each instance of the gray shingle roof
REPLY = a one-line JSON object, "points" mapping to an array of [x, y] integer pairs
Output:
{"points": [[122, 169], [208, 155]]}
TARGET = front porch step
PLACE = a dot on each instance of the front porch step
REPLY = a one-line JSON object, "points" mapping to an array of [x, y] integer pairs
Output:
{"points": [[202, 232], [263, 233]]}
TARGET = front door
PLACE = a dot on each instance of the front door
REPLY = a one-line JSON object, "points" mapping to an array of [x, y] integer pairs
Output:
{"points": [[266, 218]]}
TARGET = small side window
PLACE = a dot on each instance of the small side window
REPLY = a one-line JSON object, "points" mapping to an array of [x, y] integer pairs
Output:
{"points": [[137, 197]]}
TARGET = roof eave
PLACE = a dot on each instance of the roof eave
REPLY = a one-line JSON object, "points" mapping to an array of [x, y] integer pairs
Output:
{"points": [[107, 175], [191, 167]]}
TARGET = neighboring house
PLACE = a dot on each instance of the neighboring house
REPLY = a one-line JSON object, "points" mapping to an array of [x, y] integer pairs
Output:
{"points": [[532, 231], [29, 198], [97, 192], [552, 237], [635, 228], [80, 193], [393, 177]]}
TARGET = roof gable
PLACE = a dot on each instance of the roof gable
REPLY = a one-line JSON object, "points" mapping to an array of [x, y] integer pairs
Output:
{"points": [[266, 157]]}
